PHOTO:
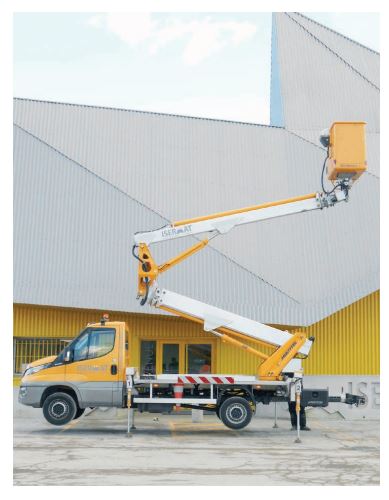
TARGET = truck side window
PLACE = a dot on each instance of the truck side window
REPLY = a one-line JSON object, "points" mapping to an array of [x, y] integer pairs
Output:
{"points": [[101, 342], [80, 350]]}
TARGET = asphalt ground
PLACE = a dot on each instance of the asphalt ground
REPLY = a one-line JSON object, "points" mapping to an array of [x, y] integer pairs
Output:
{"points": [[172, 450]]}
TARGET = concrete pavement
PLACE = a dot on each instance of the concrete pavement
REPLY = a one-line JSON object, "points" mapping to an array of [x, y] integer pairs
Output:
{"points": [[171, 450]]}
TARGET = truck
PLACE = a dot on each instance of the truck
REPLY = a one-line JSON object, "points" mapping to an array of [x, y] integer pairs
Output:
{"points": [[94, 369]]}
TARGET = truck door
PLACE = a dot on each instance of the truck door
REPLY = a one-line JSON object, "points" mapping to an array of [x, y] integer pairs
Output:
{"points": [[93, 365]]}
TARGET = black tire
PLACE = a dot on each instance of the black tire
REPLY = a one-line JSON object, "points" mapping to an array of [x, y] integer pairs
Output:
{"points": [[59, 408], [79, 412], [235, 412]]}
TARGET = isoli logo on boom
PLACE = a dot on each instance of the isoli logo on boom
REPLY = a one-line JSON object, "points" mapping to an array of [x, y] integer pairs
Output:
{"points": [[288, 350], [175, 231]]}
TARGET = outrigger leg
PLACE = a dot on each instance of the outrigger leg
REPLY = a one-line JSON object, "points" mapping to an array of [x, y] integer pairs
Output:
{"points": [[275, 426], [298, 390]]}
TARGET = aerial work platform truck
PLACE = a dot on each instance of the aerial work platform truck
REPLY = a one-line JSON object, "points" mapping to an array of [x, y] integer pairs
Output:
{"points": [[93, 369]]}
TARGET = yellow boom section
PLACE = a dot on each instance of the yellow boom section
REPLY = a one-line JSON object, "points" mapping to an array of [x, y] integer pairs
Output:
{"points": [[148, 269], [244, 210]]}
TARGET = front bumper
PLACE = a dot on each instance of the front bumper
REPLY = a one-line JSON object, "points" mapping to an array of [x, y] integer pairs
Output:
{"points": [[30, 395]]}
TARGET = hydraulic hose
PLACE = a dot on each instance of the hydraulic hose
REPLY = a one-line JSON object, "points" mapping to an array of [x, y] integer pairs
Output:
{"points": [[146, 295], [146, 281]]}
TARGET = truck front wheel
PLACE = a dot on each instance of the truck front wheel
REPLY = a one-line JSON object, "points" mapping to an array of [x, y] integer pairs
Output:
{"points": [[79, 412], [59, 408], [235, 412]]}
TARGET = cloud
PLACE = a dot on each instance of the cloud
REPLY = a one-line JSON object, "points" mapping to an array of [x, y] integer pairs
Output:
{"points": [[206, 38], [201, 38], [95, 21], [131, 28]]}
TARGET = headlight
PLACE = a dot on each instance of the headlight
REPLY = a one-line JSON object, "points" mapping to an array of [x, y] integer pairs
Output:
{"points": [[35, 369]]}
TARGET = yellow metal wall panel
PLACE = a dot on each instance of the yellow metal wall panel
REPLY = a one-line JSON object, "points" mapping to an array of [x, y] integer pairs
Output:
{"points": [[347, 342], [50, 322], [38, 322], [231, 359], [28, 350], [158, 328]]}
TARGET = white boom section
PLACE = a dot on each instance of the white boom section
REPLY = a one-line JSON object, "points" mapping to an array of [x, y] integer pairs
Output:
{"points": [[214, 318], [227, 222]]}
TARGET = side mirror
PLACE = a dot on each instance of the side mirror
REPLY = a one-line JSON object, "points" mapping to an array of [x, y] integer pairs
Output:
{"points": [[67, 357]]}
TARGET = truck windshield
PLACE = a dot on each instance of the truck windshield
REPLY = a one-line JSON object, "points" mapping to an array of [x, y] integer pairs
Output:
{"points": [[90, 343]]}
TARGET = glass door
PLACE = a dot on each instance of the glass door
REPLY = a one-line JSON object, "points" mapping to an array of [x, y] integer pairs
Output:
{"points": [[199, 358], [148, 357], [170, 358], [174, 357]]}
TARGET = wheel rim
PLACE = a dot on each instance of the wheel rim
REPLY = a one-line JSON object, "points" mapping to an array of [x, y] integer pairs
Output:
{"points": [[59, 409], [236, 413]]}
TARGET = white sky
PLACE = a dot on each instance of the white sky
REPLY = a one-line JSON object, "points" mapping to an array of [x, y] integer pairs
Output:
{"points": [[200, 64]]}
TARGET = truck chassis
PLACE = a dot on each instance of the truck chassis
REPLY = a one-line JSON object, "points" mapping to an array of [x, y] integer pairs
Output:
{"points": [[234, 398]]}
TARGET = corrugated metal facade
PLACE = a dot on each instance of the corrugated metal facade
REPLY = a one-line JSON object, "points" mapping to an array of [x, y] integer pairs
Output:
{"points": [[86, 178], [325, 77], [364, 60], [184, 167], [318, 85], [72, 241], [347, 343]]}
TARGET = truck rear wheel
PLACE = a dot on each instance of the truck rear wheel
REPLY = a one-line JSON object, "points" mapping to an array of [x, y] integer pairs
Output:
{"points": [[235, 412], [59, 408]]}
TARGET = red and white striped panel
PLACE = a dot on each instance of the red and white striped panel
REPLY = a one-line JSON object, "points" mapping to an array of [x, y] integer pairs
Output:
{"points": [[205, 379]]}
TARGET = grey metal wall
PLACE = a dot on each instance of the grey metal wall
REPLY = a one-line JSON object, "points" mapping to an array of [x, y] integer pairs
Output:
{"points": [[362, 59], [72, 239], [182, 167], [326, 77]]}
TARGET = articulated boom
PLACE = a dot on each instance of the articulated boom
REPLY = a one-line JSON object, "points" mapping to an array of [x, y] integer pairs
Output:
{"points": [[345, 143], [217, 224], [232, 328]]}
